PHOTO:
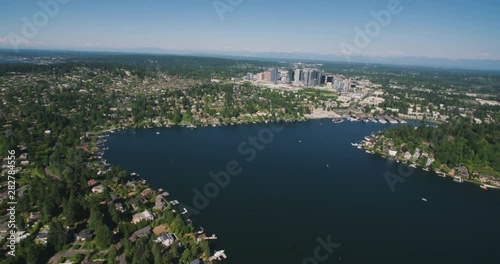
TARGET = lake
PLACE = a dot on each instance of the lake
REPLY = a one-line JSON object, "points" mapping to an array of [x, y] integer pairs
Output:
{"points": [[308, 196]]}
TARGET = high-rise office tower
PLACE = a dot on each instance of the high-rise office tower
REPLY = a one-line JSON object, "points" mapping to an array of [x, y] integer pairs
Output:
{"points": [[274, 75], [289, 76], [297, 76]]}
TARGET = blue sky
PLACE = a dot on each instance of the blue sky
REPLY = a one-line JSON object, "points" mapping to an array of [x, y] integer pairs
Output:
{"points": [[430, 28]]}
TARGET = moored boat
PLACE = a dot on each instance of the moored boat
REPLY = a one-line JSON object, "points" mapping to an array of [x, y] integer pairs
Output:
{"points": [[337, 120]]}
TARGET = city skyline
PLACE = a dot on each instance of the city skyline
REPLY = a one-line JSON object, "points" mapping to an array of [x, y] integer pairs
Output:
{"points": [[455, 30]]}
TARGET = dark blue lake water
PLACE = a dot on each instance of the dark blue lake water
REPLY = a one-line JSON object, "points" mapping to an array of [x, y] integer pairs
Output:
{"points": [[310, 185]]}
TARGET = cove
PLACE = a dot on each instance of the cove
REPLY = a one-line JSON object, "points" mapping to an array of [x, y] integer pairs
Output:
{"points": [[310, 197]]}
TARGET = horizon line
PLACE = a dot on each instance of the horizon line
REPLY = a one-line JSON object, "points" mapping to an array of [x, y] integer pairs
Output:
{"points": [[255, 56]]}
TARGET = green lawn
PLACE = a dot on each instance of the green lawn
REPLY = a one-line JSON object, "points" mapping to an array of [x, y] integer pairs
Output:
{"points": [[87, 246]]}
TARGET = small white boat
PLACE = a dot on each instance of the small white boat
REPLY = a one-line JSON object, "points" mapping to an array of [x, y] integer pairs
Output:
{"points": [[354, 144], [157, 133], [300, 141], [423, 199]]}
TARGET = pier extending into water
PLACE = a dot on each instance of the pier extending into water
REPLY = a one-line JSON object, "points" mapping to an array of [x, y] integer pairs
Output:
{"points": [[219, 255]]}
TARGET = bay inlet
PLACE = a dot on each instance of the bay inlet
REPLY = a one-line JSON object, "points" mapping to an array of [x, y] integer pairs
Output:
{"points": [[308, 188]]}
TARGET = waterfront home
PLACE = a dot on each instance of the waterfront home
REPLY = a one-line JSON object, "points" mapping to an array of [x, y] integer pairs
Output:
{"points": [[429, 162], [146, 231], [462, 172], [130, 184], [98, 189], [416, 155], [147, 192], [166, 239], [393, 153], [407, 155], [489, 179], [84, 235], [159, 203], [144, 216]]}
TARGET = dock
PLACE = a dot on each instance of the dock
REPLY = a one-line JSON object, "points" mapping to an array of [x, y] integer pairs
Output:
{"points": [[458, 179], [219, 255], [213, 237]]}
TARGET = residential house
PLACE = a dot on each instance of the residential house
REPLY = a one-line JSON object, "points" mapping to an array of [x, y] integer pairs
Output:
{"points": [[166, 239], [462, 172], [33, 217], [147, 192], [92, 182], [113, 196], [84, 235], [119, 207], [159, 203], [41, 237], [416, 155], [146, 231], [131, 184], [98, 189], [20, 235], [144, 216], [489, 179]]}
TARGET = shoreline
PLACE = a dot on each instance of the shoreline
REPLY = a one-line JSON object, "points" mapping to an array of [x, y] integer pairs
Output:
{"points": [[437, 172]]}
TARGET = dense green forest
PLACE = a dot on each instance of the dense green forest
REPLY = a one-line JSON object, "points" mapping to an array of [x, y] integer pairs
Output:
{"points": [[453, 144]]}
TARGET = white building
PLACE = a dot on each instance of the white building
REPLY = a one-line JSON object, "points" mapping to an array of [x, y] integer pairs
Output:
{"points": [[166, 239]]}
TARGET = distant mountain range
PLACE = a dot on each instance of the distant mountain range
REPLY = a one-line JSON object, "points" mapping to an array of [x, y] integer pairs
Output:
{"points": [[443, 63], [473, 64]]}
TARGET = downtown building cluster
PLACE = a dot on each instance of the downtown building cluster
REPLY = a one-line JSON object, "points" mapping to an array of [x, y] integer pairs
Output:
{"points": [[302, 77]]}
